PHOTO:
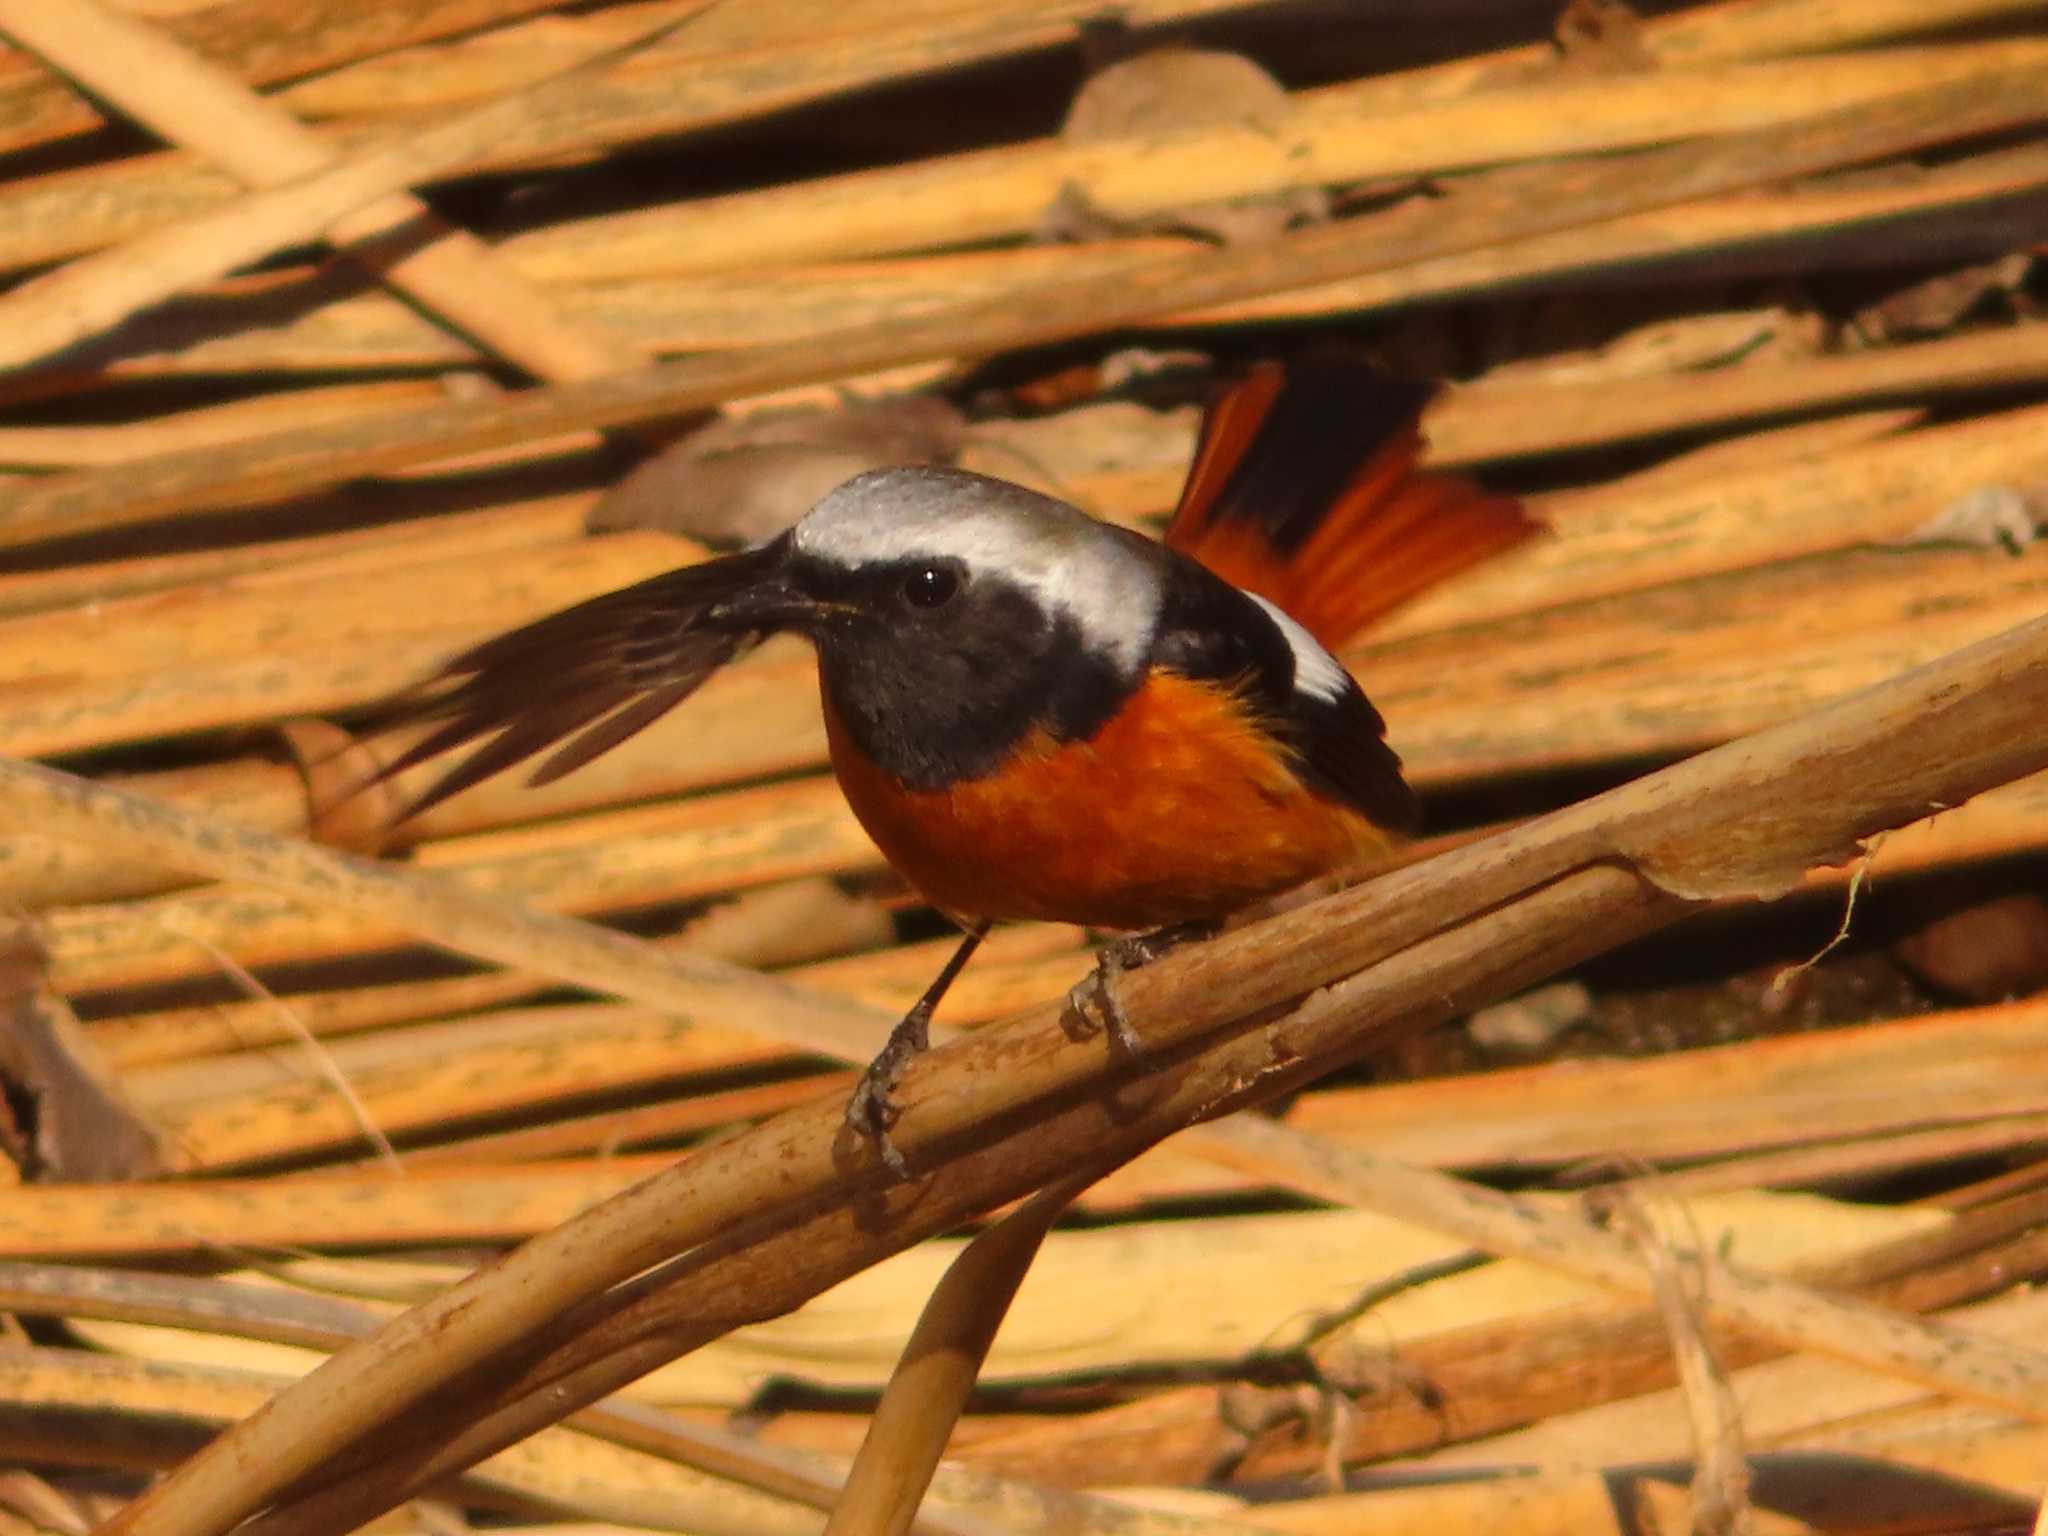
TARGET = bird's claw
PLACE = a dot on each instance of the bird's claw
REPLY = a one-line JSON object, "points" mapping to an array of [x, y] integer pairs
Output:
{"points": [[869, 1114], [871, 1111], [1097, 991]]}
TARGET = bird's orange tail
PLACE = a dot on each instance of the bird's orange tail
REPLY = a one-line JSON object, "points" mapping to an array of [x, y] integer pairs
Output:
{"points": [[1306, 490]]}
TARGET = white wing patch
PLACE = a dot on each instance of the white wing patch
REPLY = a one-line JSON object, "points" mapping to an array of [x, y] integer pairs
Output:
{"points": [[1316, 672]]}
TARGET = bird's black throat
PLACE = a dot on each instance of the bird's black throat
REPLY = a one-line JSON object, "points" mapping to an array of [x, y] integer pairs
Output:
{"points": [[935, 698]]}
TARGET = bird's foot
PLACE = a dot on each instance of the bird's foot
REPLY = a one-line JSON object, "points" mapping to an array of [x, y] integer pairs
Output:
{"points": [[1097, 991], [871, 1111]]}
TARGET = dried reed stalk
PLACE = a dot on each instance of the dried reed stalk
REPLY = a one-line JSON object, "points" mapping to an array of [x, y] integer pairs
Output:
{"points": [[1801, 496], [1865, 1158], [941, 1361], [568, 1469], [485, 530], [282, 323], [758, 69], [1487, 210], [1492, 422], [1330, 136], [1947, 1359], [131, 661], [491, 1203], [259, 41], [1747, 819], [357, 201], [1685, 677], [1973, 1063], [1790, 1401], [1497, 1375], [208, 426]]}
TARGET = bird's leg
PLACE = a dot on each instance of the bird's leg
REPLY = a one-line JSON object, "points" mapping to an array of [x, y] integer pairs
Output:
{"points": [[869, 1112], [1129, 953]]}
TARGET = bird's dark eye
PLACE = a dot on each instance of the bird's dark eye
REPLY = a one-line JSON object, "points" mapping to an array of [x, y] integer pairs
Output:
{"points": [[930, 585]]}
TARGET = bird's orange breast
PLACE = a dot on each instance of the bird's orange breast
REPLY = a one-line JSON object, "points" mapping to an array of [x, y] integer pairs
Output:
{"points": [[1180, 808]]}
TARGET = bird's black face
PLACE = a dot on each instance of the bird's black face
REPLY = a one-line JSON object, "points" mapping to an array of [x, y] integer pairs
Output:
{"points": [[938, 670]]}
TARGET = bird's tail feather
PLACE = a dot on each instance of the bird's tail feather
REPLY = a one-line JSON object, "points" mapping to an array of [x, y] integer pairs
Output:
{"points": [[1306, 488]]}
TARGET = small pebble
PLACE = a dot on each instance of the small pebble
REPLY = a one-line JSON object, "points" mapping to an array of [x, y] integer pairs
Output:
{"points": [[1533, 1023]]}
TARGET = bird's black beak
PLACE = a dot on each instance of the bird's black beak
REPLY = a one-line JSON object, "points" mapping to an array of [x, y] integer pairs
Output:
{"points": [[761, 594]]}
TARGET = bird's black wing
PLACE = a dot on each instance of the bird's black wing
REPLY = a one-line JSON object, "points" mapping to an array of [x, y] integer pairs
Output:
{"points": [[1210, 629], [580, 681], [1341, 747]]}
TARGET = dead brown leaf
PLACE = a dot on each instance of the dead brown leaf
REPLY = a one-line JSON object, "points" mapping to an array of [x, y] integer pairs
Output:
{"points": [[739, 481], [347, 804], [79, 1126], [1601, 37], [1934, 305], [1167, 90]]}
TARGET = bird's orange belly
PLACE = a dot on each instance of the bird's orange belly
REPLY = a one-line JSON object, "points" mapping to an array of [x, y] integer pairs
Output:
{"points": [[1178, 809]]}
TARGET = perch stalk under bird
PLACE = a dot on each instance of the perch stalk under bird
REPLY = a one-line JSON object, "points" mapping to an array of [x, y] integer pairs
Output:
{"points": [[1039, 715]]}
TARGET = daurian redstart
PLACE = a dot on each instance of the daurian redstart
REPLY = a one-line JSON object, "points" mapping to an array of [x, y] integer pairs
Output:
{"points": [[1036, 714]]}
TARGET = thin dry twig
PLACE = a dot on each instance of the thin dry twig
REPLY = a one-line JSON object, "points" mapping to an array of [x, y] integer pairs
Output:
{"points": [[1857, 876], [1719, 1497], [322, 1059]]}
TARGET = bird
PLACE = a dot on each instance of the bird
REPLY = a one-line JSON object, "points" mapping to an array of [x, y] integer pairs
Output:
{"points": [[1037, 714]]}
